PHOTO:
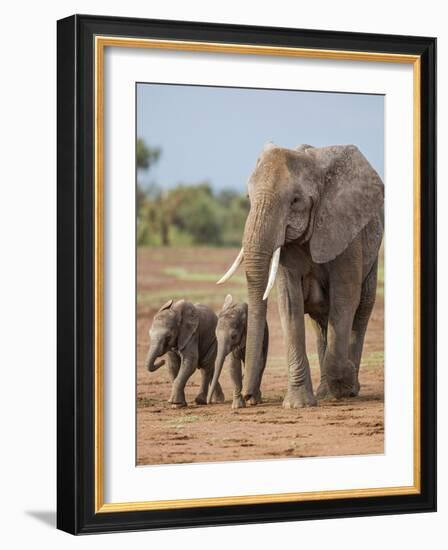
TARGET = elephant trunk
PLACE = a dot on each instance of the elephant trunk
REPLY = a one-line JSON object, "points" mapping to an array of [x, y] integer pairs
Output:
{"points": [[260, 241], [154, 352], [220, 358]]}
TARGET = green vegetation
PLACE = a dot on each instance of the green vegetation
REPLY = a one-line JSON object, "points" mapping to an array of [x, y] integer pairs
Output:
{"points": [[202, 296], [190, 215], [146, 156], [186, 214], [184, 275], [144, 402], [373, 358], [182, 421]]}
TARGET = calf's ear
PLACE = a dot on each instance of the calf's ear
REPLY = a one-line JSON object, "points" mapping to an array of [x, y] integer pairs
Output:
{"points": [[166, 305], [189, 323], [227, 302]]}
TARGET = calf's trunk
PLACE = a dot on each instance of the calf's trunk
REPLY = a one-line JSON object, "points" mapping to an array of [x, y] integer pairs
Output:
{"points": [[153, 353], [220, 358]]}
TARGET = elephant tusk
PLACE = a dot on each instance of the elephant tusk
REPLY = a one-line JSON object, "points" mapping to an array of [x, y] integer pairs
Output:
{"points": [[232, 268], [272, 272]]}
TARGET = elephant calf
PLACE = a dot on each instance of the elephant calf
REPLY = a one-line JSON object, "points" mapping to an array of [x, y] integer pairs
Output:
{"points": [[186, 333], [231, 338]]}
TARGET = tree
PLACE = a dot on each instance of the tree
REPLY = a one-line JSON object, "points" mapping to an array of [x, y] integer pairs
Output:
{"points": [[187, 213], [199, 215], [147, 215], [146, 156], [234, 216]]}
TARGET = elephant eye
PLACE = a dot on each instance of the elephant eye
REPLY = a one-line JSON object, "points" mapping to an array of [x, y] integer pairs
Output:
{"points": [[295, 200]]}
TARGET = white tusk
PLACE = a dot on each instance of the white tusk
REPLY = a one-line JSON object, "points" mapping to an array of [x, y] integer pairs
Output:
{"points": [[232, 268], [272, 272]]}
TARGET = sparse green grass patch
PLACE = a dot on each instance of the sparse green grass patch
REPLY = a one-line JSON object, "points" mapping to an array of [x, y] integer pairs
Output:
{"points": [[372, 358], [184, 275], [144, 402], [214, 299], [183, 420]]}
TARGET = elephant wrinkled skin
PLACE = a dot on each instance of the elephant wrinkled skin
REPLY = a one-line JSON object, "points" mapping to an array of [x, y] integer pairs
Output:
{"points": [[315, 228], [185, 332], [231, 339]]}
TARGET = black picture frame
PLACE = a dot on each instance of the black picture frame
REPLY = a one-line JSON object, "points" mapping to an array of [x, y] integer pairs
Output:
{"points": [[76, 272]]}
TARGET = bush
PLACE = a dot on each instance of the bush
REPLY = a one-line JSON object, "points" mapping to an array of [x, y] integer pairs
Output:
{"points": [[191, 214]]}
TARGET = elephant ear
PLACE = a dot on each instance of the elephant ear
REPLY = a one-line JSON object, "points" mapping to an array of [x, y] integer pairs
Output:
{"points": [[227, 302], [166, 305], [352, 194], [244, 310], [189, 323]]}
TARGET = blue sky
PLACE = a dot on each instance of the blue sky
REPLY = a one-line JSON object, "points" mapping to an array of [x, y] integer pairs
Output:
{"points": [[216, 134]]}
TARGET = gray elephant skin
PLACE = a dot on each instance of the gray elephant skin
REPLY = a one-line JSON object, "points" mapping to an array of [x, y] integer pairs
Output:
{"points": [[185, 332], [314, 227], [231, 339]]}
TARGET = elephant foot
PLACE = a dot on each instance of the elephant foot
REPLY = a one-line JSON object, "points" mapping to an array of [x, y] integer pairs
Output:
{"points": [[323, 391], [356, 389], [201, 399], [177, 399], [238, 402], [344, 383], [299, 397], [218, 395], [254, 400]]}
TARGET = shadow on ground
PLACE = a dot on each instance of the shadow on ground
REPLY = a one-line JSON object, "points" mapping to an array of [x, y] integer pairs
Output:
{"points": [[47, 517]]}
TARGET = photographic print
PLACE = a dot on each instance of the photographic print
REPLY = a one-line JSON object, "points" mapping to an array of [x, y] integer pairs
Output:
{"points": [[246, 274], [260, 274]]}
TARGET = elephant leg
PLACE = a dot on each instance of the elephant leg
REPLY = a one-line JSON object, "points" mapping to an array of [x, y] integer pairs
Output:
{"points": [[339, 369], [218, 394], [320, 328], [206, 378], [187, 367], [173, 365], [236, 376], [361, 320], [291, 310]]}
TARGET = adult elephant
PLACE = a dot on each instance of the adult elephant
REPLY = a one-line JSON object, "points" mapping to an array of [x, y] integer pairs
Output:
{"points": [[314, 226]]}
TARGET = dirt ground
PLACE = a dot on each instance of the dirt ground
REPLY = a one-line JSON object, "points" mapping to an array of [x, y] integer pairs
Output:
{"points": [[216, 433]]}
